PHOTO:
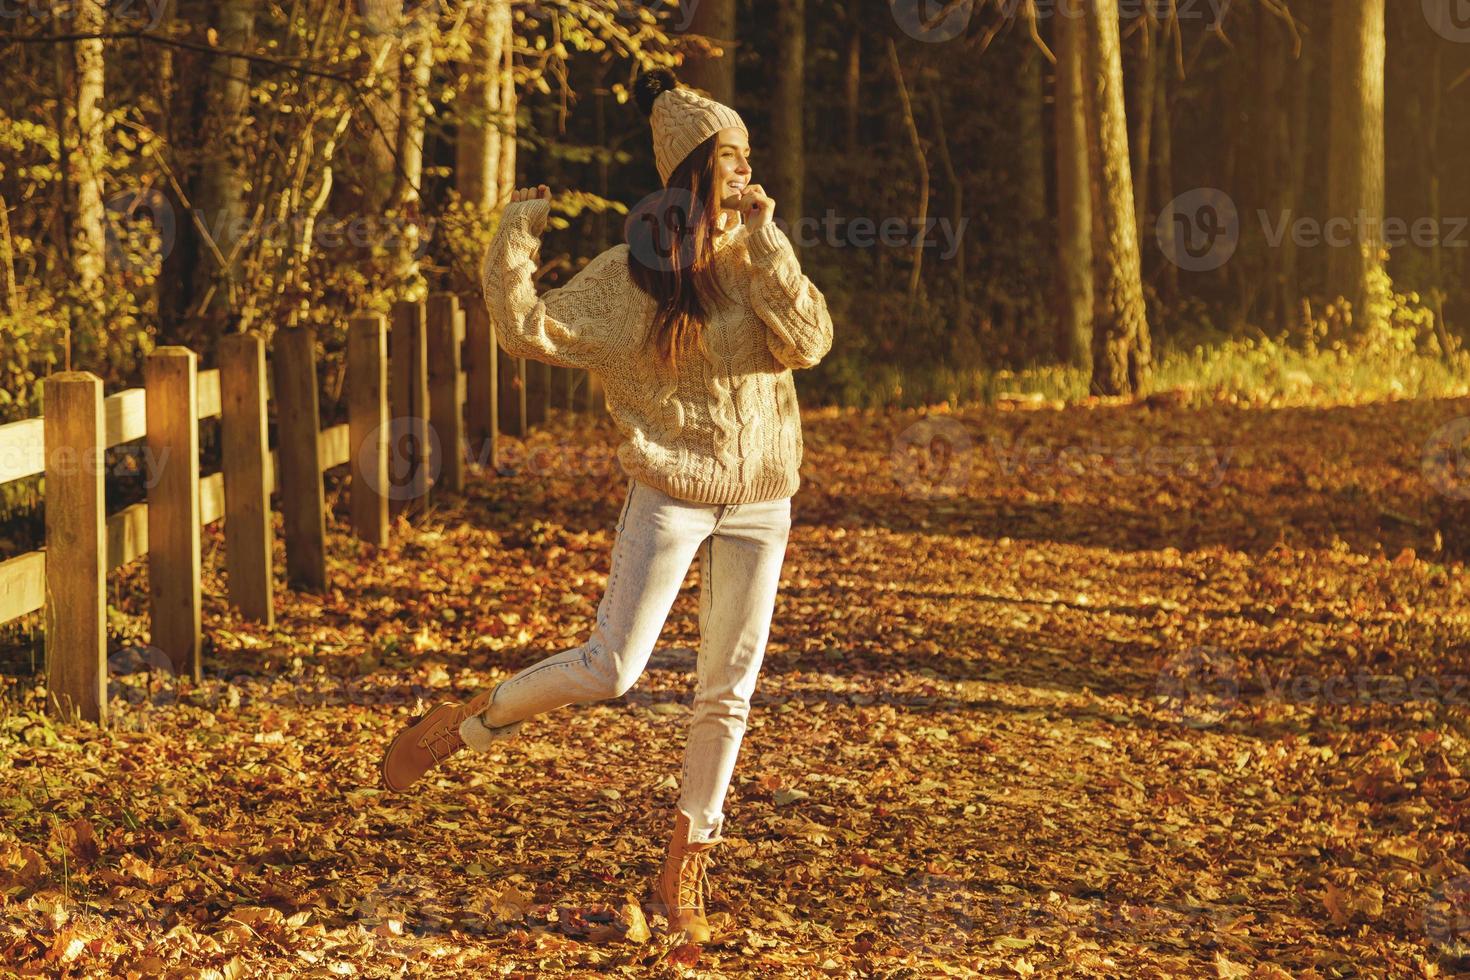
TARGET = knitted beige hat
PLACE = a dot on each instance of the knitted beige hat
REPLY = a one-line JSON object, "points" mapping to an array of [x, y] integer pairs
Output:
{"points": [[681, 118]]}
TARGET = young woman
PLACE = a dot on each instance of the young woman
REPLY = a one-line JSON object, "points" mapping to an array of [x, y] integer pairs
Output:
{"points": [[694, 325]]}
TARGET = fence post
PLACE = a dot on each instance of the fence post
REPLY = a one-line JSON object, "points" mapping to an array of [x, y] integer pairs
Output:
{"points": [[538, 392], [482, 384], [76, 547], [246, 461], [367, 425], [596, 394], [446, 413], [408, 403], [170, 377], [303, 506], [513, 402]]}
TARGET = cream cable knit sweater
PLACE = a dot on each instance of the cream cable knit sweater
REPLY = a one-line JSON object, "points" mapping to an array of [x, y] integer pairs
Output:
{"points": [[727, 428]]}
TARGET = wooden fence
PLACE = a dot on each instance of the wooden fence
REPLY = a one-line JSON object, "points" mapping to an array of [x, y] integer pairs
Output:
{"points": [[422, 393]]}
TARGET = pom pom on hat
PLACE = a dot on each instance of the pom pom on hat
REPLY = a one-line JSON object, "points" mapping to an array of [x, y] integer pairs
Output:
{"points": [[650, 85]]}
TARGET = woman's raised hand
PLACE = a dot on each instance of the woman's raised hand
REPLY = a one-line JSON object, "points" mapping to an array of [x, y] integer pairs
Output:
{"points": [[529, 193]]}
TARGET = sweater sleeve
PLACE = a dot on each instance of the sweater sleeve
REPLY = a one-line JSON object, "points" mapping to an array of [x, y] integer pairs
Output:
{"points": [[788, 302], [571, 326]]}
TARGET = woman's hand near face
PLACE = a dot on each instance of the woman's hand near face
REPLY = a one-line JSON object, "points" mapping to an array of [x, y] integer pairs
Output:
{"points": [[756, 208]]}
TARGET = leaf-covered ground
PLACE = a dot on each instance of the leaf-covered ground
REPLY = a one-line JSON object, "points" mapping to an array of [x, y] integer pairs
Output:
{"points": [[1106, 690]]}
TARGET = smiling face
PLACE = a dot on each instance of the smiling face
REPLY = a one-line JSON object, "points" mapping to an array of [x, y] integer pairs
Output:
{"points": [[732, 165]]}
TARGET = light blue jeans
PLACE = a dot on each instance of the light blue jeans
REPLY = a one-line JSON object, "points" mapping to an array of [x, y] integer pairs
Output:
{"points": [[741, 549]]}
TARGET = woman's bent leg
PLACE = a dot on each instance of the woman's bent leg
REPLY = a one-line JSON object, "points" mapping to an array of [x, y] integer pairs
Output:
{"points": [[740, 569], [657, 537]]}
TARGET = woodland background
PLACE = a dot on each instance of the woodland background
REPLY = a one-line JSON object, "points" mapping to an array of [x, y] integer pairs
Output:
{"points": [[175, 169], [1123, 628]]}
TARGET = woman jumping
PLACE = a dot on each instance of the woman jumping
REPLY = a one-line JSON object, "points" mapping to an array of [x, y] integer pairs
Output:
{"points": [[694, 326]]}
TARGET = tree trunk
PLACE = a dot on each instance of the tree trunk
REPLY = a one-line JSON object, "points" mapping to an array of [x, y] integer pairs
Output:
{"points": [[1144, 103], [788, 98], [1121, 356], [1280, 76], [381, 19], [956, 213], [506, 175], [480, 114], [852, 82], [1301, 121], [220, 193], [922, 165], [1162, 178], [714, 19], [1031, 173], [1074, 194], [1355, 156], [418, 67], [9, 298], [80, 73]]}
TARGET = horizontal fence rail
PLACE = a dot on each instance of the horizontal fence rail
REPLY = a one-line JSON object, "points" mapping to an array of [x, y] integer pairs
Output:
{"points": [[437, 372]]}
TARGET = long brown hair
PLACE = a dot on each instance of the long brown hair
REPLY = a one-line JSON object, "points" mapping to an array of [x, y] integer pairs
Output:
{"points": [[671, 255]]}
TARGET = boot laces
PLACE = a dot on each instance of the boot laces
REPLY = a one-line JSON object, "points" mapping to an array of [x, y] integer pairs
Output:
{"points": [[444, 740], [693, 883]]}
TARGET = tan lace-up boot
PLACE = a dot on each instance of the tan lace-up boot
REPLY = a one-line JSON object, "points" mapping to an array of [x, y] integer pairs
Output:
{"points": [[431, 738], [682, 886]]}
